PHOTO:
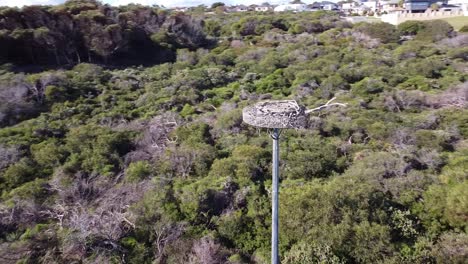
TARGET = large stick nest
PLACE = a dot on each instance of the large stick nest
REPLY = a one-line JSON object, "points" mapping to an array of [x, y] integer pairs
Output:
{"points": [[275, 114]]}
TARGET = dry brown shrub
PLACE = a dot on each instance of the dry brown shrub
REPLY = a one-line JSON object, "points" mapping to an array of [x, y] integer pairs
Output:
{"points": [[454, 97], [155, 137], [207, 251], [8, 155], [455, 42]]}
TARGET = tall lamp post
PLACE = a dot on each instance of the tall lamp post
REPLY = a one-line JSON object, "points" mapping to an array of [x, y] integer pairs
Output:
{"points": [[275, 116]]}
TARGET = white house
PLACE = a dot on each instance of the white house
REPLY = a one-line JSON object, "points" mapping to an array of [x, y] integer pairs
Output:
{"points": [[450, 8], [239, 8], [391, 6], [348, 6], [457, 2], [330, 7], [181, 9], [463, 4], [291, 7], [372, 5], [263, 8]]}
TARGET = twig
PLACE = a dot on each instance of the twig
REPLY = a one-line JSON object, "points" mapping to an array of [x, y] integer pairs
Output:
{"points": [[128, 222], [328, 104]]}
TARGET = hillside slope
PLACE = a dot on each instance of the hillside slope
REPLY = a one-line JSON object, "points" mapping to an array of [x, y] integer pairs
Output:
{"points": [[152, 163]]}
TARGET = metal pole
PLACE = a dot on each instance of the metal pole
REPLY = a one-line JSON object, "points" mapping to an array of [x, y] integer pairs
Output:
{"points": [[275, 194]]}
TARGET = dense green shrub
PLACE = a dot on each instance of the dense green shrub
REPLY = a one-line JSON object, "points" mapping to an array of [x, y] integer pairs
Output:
{"points": [[19, 173], [435, 30], [385, 32], [138, 171], [153, 163], [96, 150], [411, 27]]}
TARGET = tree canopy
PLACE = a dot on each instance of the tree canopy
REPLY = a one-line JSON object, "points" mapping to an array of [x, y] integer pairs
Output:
{"points": [[122, 141]]}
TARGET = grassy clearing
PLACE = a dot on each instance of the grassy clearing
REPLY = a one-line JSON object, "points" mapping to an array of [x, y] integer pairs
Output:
{"points": [[457, 22]]}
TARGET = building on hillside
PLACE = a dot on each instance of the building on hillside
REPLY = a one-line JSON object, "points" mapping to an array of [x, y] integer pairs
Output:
{"points": [[463, 4], [239, 8], [180, 9], [457, 2], [418, 6], [348, 7], [390, 6], [291, 7], [354, 8], [314, 6], [362, 10], [450, 8], [329, 6], [263, 8], [371, 5]]}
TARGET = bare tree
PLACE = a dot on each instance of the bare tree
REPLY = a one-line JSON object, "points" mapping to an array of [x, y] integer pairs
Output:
{"points": [[14, 101], [430, 158], [365, 40], [95, 212], [165, 233], [8, 155], [207, 251], [155, 137], [455, 97]]}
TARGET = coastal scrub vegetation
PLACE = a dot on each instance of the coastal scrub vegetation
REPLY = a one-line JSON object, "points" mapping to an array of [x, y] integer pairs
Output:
{"points": [[121, 137]]}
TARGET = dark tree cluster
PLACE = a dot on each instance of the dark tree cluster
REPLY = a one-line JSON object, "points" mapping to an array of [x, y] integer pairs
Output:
{"points": [[88, 31]]}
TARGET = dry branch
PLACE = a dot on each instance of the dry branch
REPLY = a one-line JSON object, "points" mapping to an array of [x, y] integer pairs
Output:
{"points": [[326, 105]]}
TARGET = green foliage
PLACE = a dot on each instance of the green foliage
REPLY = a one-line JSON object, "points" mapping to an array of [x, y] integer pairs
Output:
{"points": [[456, 169], [212, 28], [307, 253], [329, 222], [194, 133], [382, 180], [31, 232], [435, 30], [411, 27], [274, 83], [417, 82], [368, 86], [18, 174], [459, 53], [240, 231], [138, 251], [138, 171], [245, 163], [457, 205], [187, 110], [96, 149], [310, 158], [48, 153], [372, 242], [385, 32], [403, 223], [33, 190], [54, 93]]}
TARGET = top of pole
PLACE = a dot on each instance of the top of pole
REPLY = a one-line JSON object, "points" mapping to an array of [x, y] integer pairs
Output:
{"points": [[281, 113], [275, 114]]}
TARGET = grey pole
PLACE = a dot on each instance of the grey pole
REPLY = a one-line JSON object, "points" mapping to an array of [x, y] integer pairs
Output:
{"points": [[275, 195], [275, 115]]}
